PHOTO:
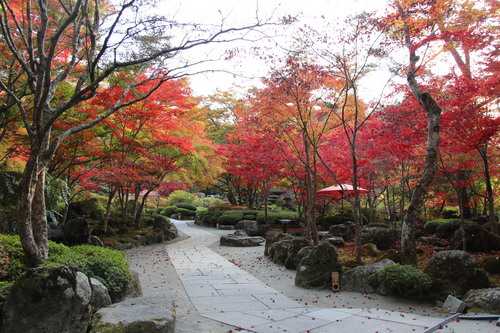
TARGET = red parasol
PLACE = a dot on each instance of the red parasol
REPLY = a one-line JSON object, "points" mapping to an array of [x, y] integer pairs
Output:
{"points": [[339, 192]]}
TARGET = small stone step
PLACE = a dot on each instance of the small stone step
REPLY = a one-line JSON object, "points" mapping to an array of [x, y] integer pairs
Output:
{"points": [[141, 314]]}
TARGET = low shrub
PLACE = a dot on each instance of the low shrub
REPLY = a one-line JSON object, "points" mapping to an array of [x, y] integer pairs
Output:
{"points": [[274, 217], [185, 212], [230, 217], [213, 209], [404, 280], [13, 256], [92, 208], [168, 211], [447, 230], [432, 225], [107, 265], [5, 287], [186, 205], [181, 196]]}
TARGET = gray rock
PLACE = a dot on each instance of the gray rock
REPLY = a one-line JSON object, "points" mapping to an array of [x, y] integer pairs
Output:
{"points": [[454, 305], [487, 299], [96, 241], [76, 231], [285, 251], [370, 250], [341, 230], [454, 273], [240, 239], [251, 227], [246, 224], [383, 238], [55, 232], [143, 314], [336, 241], [364, 279], [273, 237], [48, 299], [134, 289], [100, 295], [165, 226], [296, 244], [477, 239], [315, 265]]}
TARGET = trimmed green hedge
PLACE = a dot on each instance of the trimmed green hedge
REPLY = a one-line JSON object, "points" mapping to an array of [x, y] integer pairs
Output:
{"points": [[274, 217], [231, 217], [185, 205], [106, 265]]}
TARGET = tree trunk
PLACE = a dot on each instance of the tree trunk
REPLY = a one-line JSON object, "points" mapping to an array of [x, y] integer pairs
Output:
{"points": [[111, 195], [32, 215], [408, 243], [489, 191]]}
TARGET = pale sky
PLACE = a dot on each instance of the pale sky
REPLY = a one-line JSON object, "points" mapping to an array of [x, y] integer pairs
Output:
{"points": [[316, 13]]}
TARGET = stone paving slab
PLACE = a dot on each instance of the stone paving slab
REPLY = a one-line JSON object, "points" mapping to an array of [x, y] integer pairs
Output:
{"points": [[221, 291]]}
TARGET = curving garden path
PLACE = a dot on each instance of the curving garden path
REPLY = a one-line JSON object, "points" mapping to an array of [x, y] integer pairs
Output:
{"points": [[213, 294]]}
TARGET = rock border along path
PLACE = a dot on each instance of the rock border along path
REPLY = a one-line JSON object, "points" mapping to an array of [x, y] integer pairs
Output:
{"points": [[221, 291]]}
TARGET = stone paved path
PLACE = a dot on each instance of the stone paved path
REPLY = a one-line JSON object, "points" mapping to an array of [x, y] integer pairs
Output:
{"points": [[223, 292]]}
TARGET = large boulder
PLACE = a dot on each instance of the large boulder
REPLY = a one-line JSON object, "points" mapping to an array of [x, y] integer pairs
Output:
{"points": [[100, 295], [285, 251], [55, 231], [342, 230], [240, 239], [477, 239], [76, 231], [486, 299], [166, 226], [48, 299], [273, 237], [144, 314], [296, 244], [454, 273], [364, 279], [315, 265], [251, 227], [383, 238]]}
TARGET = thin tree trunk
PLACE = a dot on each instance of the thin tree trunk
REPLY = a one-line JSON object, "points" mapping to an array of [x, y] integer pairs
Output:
{"points": [[408, 242], [489, 191]]}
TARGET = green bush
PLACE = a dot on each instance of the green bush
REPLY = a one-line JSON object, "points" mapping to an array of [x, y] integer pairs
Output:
{"points": [[431, 226], [92, 208], [230, 217], [5, 287], [274, 217], [213, 209], [185, 212], [447, 230], [14, 254], [404, 280], [167, 211], [106, 265], [186, 205], [200, 210], [181, 196]]}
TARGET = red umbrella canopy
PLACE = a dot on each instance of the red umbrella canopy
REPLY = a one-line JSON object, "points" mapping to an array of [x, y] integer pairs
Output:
{"points": [[340, 191]]}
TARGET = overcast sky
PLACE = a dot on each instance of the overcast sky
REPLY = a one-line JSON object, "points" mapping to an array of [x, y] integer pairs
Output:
{"points": [[237, 12]]}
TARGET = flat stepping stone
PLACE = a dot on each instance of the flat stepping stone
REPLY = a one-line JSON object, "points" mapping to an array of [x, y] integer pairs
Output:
{"points": [[142, 314]]}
